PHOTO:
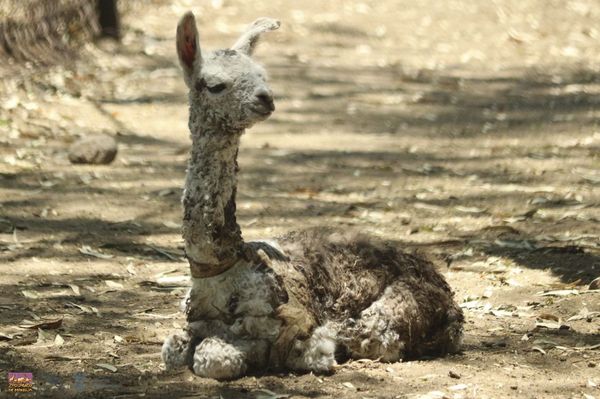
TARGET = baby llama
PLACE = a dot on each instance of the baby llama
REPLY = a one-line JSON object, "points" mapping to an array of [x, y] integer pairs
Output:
{"points": [[299, 301]]}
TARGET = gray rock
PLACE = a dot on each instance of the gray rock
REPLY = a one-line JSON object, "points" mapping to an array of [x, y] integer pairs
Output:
{"points": [[94, 149]]}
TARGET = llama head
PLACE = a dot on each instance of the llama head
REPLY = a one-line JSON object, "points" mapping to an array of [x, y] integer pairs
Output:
{"points": [[228, 89]]}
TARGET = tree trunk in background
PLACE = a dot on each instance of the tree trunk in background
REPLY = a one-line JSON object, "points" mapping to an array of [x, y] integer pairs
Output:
{"points": [[108, 18]]}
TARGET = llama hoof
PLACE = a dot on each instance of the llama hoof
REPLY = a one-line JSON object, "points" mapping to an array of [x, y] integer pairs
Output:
{"points": [[215, 358], [176, 350]]}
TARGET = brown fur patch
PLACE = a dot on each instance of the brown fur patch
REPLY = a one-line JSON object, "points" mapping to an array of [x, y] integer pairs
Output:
{"points": [[334, 276]]}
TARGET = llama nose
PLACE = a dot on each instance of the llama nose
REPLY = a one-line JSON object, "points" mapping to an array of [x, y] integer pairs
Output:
{"points": [[265, 97]]}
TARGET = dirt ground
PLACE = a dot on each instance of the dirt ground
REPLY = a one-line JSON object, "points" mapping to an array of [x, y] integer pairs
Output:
{"points": [[465, 131]]}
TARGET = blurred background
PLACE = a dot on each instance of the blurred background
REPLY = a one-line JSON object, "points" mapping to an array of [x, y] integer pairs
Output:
{"points": [[463, 130]]}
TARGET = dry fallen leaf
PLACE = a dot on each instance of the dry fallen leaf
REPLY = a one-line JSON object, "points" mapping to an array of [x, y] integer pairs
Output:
{"points": [[470, 209], [550, 325], [58, 341], [521, 217], [267, 394], [492, 265], [548, 316], [49, 293], [164, 273], [6, 337], [349, 385], [86, 250], [75, 289], [59, 358], [30, 294], [545, 343], [35, 317], [515, 244], [43, 337], [558, 293], [83, 308], [503, 313], [471, 305], [538, 349], [590, 347], [44, 325], [107, 366], [171, 255], [584, 313], [172, 225], [114, 284]]}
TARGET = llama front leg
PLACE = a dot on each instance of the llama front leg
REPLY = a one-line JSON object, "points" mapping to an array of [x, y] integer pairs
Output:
{"points": [[215, 358], [211, 358], [177, 350]]}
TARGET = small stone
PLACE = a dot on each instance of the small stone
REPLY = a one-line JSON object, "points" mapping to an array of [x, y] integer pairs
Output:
{"points": [[94, 149], [595, 284], [454, 374]]}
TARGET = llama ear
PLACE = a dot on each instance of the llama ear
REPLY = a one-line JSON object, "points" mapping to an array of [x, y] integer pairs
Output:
{"points": [[188, 49], [247, 42]]}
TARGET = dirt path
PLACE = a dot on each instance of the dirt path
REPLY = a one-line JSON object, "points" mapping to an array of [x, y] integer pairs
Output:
{"points": [[468, 133]]}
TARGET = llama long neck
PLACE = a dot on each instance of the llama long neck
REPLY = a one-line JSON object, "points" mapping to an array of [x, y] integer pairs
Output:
{"points": [[213, 240]]}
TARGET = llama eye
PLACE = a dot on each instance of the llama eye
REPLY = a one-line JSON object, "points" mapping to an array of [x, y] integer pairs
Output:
{"points": [[217, 88]]}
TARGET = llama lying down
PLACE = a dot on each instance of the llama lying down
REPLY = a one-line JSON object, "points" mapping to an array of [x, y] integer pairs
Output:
{"points": [[302, 300]]}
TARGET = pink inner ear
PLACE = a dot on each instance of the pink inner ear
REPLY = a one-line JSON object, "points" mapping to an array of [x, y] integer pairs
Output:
{"points": [[188, 52], [187, 43]]}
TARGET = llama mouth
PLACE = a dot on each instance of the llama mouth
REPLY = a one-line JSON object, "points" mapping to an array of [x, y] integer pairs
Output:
{"points": [[261, 111]]}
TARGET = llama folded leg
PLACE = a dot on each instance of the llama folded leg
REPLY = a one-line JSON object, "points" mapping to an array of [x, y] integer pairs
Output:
{"points": [[411, 318], [375, 334], [215, 358]]}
